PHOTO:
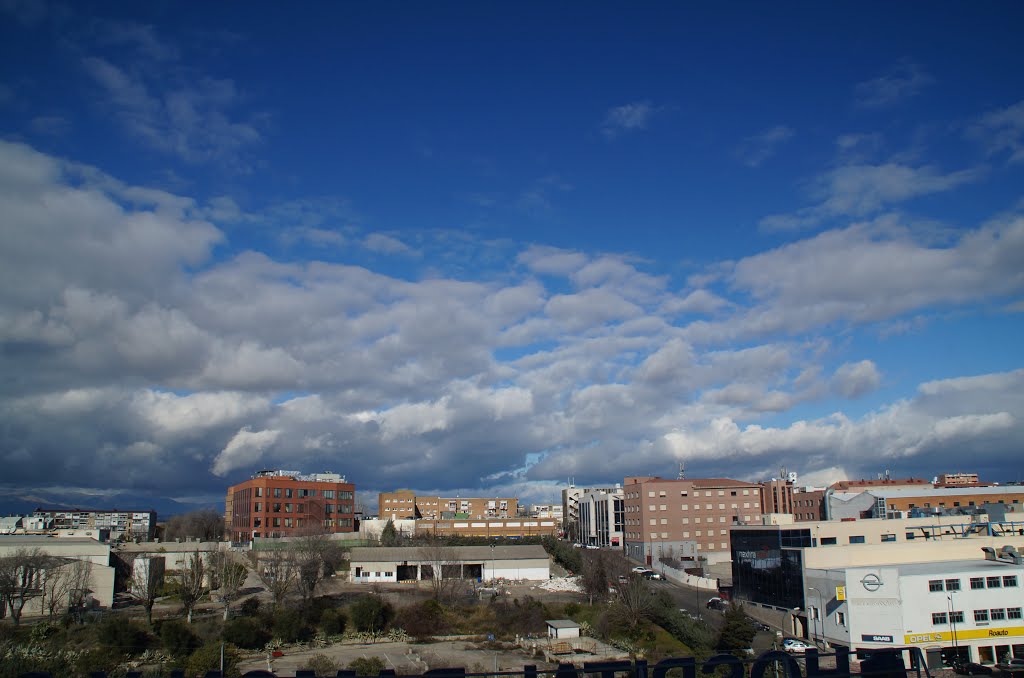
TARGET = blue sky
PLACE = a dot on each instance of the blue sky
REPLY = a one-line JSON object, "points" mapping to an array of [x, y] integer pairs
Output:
{"points": [[485, 248]]}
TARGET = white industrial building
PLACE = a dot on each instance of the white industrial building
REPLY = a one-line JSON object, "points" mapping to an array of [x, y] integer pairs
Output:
{"points": [[480, 563], [64, 552], [969, 608]]}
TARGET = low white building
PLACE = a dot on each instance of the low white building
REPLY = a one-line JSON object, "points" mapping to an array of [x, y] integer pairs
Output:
{"points": [[66, 551], [480, 563]]}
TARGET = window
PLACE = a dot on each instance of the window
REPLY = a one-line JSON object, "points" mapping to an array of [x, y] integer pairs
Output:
{"points": [[856, 539], [888, 537], [277, 522], [277, 492], [998, 614], [952, 584], [662, 493], [277, 507], [909, 535], [841, 618], [935, 585], [257, 507], [686, 507], [981, 616], [651, 508], [830, 541], [957, 617], [732, 493], [259, 491], [994, 582], [939, 618], [977, 583], [1013, 613], [1010, 580], [287, 522], [328, 494], [651, 493], [288, 493], [664, 507]]}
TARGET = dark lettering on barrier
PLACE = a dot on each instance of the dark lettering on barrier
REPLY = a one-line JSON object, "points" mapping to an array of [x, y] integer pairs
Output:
{"points": [[765, 661], [257, 673], [607, 669], [687, 664], [736, 666]]}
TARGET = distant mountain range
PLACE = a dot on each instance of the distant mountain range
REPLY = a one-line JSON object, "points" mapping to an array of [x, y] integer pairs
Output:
{"points": [[15, 502]]}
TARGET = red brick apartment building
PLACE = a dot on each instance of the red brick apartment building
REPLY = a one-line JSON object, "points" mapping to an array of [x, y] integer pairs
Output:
{"points": [[407, 504], [285, 503], [661, 514]]}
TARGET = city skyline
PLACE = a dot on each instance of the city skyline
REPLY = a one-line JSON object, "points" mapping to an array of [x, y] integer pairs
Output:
{"points": [[486, 249]]}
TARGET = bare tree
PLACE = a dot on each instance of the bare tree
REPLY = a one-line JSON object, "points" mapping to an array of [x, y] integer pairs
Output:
{"points": [[316, 556], [21, 579], [66, 585], [634, 603], [227, 575], [147, 579], [277, 571], [443, 569], [204, 525], [192, 583]]}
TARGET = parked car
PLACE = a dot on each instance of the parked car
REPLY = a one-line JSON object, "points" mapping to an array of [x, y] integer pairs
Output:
{"points": [[1013, 667], [971, 669], [793, 646], [640, 570], [651, 575]]}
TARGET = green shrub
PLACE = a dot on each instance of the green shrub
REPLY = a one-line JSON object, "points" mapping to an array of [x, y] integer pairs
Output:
{"points": [[321, 665], [122, 636], [571, 609], [371, 613], [367, 666], [246, 632], [423, 620], [207, 658], [333, 621], [250, 607], [177, 638], [289, 626]]}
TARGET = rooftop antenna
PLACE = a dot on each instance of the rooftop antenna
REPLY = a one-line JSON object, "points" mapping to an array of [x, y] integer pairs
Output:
{"points": [[682, 471]]}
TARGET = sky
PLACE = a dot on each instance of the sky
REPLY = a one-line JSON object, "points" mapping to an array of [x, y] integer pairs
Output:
{"points": [[486, 248]]}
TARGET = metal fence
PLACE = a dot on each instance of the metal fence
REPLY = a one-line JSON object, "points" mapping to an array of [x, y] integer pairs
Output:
{"points": [[888, 663]]}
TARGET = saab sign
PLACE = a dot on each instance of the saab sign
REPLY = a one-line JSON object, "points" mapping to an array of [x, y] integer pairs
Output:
{"points": [[875, 638]]}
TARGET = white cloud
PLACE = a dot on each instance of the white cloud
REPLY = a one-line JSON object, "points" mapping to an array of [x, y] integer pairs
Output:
{"points": [[858, 190], [245, 449], [386, 244], [756, 149], [1002, 131], [853, 380], [627, 118], [904, 80]]}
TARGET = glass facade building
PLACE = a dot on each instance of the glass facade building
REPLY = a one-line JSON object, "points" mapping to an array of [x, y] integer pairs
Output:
{"points": [[767, 565]]}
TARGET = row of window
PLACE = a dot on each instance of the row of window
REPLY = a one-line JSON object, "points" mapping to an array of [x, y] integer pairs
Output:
{"points": [[995, 582], [298, 522], [696, 507], [685, 493], [278, 507], [291, 493], [982, 616]]}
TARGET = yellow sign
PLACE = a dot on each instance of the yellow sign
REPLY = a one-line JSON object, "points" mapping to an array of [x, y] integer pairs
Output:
{"points": [[840, 593], [966, 634]]}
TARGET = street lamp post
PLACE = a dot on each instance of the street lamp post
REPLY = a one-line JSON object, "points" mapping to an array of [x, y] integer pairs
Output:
{"points": [[952, 624], [817, 615]]}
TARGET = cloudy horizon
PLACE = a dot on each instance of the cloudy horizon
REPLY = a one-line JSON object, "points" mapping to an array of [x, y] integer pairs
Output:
{"points": [[205, 274]]}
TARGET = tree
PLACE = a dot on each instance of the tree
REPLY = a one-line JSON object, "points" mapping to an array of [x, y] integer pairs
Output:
{"points": [[277, 571], [146, 581], [442, 567], [389, 535], [423, 620], [367, 666], [66, 585], [595, 576], [738, 631], [634, 604], [227, 575], [316, 557], [204, 525], [192, 583], [21, 579], [371, 614]]}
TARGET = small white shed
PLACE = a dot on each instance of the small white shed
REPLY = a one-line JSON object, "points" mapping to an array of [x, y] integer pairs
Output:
{"points": [[563, 628]]}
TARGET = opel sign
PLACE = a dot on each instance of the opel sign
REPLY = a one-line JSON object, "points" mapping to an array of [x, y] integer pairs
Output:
{"points": [[871, 582]]}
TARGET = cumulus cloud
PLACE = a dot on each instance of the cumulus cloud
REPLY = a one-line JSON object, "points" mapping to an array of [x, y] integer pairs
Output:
{"points": [[140, 355], [853, 380], [1002, 132], [858, 190]]}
